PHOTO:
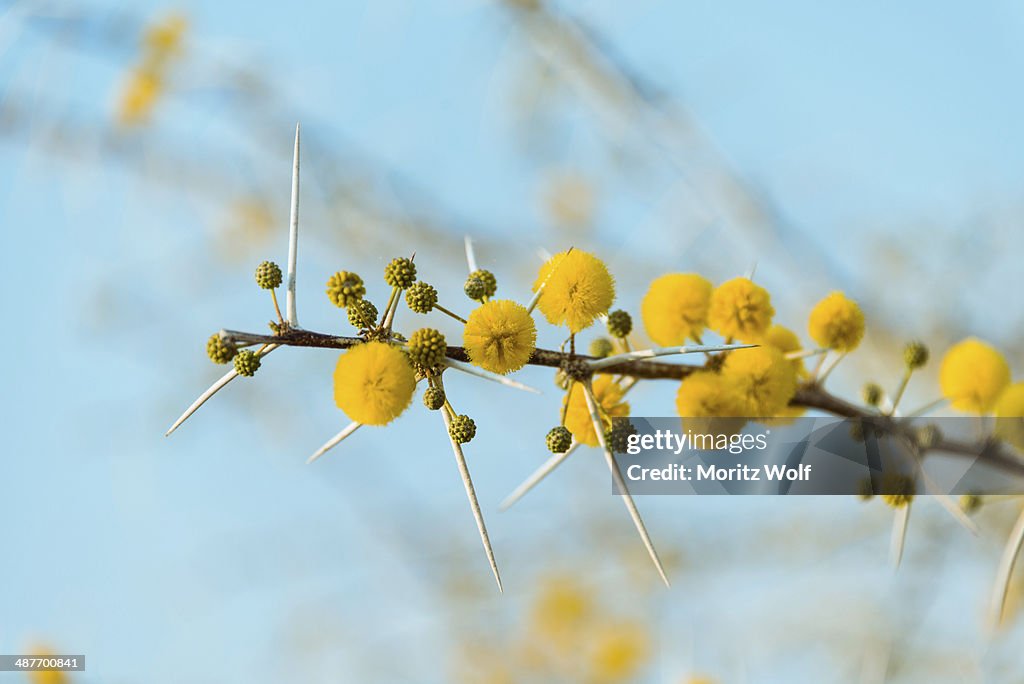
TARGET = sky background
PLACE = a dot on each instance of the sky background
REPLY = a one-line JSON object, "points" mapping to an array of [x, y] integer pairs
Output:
{"points": [[881, 142]]}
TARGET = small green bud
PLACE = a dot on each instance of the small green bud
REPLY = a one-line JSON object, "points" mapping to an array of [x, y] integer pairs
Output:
{"points": [[928, 436], [899, 489], [268, 275], [620, 323], [433, 398], [490, 283], [475, 289], [421, 297], [915, 355], [400, 273], [345, 288], [362, 314], [969, 503], [559, 440], [617, 436], [872, 394], [219, 350], [601, 347], [427, 347], [247, 362], [462, 429]]}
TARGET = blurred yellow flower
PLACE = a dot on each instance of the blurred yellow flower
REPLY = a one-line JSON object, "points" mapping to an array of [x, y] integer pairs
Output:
{"points": [[373, 383], [500, 336], [569, 200], [578, 289], [785, 340], [45, 676], [740, 309], [837, 322], [1009, 410], [763, 378], [972, 376], [577, 416], [619, 652], [676, 307], [164, 38], [561, 608], [709, 404], [139, 96]]}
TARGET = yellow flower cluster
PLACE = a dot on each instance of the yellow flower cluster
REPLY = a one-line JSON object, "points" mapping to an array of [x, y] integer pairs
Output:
{"points": [[675, 308], [373, 383], [577, 289], [972, 376], [837, 323], [740, 309], [500, 336], [162, 43], [609, 396]]}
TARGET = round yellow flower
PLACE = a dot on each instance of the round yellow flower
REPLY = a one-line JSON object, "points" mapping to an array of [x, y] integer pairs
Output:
{"points": [[619, 652], [676, 307], [708, 404], [740, 309], [764, 379], [837, 322], [786, 341], [577, 417], [500, 336], [373, 383], [972, 376], [578, 289], [1009, 412]]}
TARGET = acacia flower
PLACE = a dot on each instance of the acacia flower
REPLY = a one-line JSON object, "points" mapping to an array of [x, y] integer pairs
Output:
{"points": [[785, 340], [608, 395], [706, 395], [836, 322], [578, 289], [764, 379], [1010, 413], [972, 376], [373, 383], [740, 309], [676, 308], [500, 336]]}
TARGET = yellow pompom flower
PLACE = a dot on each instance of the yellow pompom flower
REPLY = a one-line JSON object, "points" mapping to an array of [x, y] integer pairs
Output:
{"points": [[972, 376], [837, 322], [500, 336], [373, 383], [619, 652], [708, 404], [1009, 412], [786, 341], [578, 289], [763, 378], [740, 309], [577, 416], [676, 307]]}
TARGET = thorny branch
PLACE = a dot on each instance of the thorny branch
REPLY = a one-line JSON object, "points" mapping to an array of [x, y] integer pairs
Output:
{"points": [[811, 396]]}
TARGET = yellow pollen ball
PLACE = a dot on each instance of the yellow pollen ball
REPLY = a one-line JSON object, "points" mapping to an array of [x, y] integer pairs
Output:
{"points": [[764, 379], [740, 309], [500, 336], [373, 383], [785, 340], [972, 376], [837, 322], [708, 404], [676, 307], [577, 289], [577, 416]]}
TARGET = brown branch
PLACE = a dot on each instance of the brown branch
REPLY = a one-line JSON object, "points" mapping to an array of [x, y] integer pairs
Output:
{"points": [[811, 396]]}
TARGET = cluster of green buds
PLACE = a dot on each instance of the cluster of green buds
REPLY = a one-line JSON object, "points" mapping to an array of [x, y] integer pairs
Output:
{"points": [[462, 429], [620, 324], [480, 285]]}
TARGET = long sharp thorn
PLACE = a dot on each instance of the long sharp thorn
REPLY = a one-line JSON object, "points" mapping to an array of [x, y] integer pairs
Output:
{"points": [[664, 351], [470, 255], [214, 388], [487, 375], [467, 482], [899, 535], [334, 441], [293, 237], [538, 475], [620, 484], [1005, 572]]}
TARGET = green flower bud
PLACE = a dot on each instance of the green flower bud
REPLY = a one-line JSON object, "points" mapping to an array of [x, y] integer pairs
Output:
{"points": [[969, 503], [915, 355], [433, 398], [247, 362], [219, 350], [620, 323], [401, 273], [928, 436], [345, 288], [462, 429], [617, 436], [601, 347], [475, 289], [559, 440], [427, 347], [872, 394], [362, 314], [421, 297], [268, 275], [899, 489], [490, 283]]}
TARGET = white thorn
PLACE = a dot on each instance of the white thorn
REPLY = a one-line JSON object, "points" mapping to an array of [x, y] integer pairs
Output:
{"points": [[293, 237], [533, 480], [334, 441], [664, 351], [1005, 571], [214, 388], [899, 535], [470, 255], [488, 375]]}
